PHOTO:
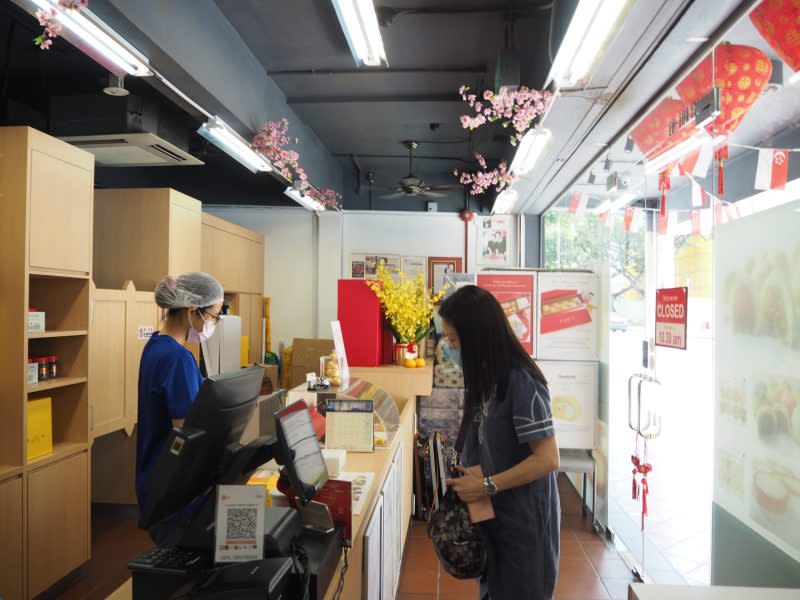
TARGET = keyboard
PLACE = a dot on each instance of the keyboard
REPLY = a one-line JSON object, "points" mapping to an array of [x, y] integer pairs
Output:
{"points": [[167, 559]]}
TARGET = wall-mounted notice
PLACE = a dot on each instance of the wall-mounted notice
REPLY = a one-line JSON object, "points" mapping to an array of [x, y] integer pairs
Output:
{"points": [[671, 317], [516, 294]]}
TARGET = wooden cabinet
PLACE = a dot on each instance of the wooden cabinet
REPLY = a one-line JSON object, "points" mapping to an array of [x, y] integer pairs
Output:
{"points": [[233, 254], [372, 577], [61, 232], [11, 586], [256, 329], [58, 521], [142, 235], [46, 215], [121, 323]]}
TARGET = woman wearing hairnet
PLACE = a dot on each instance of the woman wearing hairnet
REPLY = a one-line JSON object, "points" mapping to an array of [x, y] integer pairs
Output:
{"points": [[169, 377]]}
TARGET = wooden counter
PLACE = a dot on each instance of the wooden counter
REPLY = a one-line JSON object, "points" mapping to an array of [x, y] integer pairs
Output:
{"points": [[404, 385], [641, 591]]}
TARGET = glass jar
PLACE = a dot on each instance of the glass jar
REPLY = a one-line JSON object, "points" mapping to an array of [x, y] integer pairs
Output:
{"points": [[331, 369], [52, 367], [43, 371]]}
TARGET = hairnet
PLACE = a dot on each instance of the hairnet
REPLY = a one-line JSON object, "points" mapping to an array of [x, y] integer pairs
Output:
{"points": [[188, 289]]}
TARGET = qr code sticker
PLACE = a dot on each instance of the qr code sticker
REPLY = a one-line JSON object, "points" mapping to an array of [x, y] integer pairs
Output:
{"points": [[241, 523]]}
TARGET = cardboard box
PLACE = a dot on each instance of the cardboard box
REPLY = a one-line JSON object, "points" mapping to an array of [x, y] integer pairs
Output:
{"points": [[573, 399], [305, 358], [568, 316], [40, 427]]}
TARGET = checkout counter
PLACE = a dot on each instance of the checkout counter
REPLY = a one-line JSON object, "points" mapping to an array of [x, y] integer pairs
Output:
{"points": [[370, 563]]}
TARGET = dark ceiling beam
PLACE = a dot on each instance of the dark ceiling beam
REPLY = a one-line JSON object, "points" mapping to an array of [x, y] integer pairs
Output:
{"points": [[468, 70], [405, 157], [453, 98]]}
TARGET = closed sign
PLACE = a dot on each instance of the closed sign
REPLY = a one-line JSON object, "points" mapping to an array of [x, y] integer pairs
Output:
{"points": [[671, 317]]}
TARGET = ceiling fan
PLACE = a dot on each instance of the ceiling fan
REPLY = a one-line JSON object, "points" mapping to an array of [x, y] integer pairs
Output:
{"points": [[413, 185]]}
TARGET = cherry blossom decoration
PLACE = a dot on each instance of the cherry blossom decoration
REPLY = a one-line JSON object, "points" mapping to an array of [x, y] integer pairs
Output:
{"points": [[516, 109], [271, 141], [49, 20], [482, 180]]}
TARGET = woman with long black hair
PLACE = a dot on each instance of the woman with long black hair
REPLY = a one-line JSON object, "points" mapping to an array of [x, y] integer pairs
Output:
{"points": [[508, 431]]}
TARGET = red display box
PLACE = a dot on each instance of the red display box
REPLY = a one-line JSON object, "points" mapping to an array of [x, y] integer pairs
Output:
{"points": [[367, 338]]}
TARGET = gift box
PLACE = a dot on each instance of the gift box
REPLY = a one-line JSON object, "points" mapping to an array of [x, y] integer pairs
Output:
{"points": [[40, 427]]}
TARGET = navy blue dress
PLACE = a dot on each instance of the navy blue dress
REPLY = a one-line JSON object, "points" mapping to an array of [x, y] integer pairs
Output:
{"points": [[522, 540], [169, 379]]}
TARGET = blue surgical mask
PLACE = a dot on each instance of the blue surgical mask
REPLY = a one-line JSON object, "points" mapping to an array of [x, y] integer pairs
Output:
{"points": [[453, 354]]}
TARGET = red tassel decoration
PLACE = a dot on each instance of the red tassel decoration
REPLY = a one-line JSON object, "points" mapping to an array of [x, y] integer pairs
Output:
{"points": [[664, 184], [721, 155], [644, 500]]}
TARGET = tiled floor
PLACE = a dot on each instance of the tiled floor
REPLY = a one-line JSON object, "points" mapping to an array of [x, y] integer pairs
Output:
{"points": [[589, 569]]}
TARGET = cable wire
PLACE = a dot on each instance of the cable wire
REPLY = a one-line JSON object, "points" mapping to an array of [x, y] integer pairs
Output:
{"points": [[340, 585]]}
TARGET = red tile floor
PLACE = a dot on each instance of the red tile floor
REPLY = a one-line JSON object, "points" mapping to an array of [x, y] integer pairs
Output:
{"points": [[589, 569]]}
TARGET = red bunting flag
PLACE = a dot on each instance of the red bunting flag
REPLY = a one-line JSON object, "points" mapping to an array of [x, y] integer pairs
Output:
{"points": [[603, 218], [719, 212], [577, 203], [699, 162], [695, 218], [772, 169], [663, 223], [628, 220], [699, 195]]}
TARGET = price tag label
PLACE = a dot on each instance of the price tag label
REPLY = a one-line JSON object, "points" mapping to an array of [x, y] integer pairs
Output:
{"points": [[671, 310]]}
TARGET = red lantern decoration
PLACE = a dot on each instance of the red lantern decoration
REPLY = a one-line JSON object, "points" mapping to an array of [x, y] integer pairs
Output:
{"points": [[778, 22], [652, 134], [741, 73]]}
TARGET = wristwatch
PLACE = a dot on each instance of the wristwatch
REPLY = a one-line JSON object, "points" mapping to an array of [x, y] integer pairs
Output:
{"points": [[489, 486]]}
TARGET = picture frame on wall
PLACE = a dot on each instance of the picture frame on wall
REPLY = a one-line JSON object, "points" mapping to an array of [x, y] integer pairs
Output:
{"points": [[439, 267], [363, 266], [414, 266], [494, 235]]}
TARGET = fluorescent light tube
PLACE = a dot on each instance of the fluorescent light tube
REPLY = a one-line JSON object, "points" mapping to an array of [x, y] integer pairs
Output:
{"points": [[505, 202], [360, 25], [531, 148], [590, 30], [660, 162], [794, 78], [304, 200], [99, 40], [611, 206], [221, 135]]}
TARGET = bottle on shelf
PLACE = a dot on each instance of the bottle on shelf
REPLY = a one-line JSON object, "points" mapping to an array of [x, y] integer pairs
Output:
{"points": [[52, 367], [43, 371]]}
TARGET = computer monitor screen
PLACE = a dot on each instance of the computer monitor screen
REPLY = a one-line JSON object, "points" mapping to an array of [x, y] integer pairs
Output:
{"points": [[306, 469], [196, 452]]}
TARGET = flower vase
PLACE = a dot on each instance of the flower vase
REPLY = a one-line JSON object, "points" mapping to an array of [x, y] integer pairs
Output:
{"points": [[404, 352]]}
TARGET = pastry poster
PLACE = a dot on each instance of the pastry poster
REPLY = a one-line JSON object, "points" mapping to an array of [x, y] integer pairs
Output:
{"points": [[494, 240], [671, 306], [568, 316], [757, 381], [516, 294], [573, 400], [363, 266]]}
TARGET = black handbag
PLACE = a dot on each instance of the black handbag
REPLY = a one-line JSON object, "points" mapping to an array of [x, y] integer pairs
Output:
{"points": [[457, 541]]}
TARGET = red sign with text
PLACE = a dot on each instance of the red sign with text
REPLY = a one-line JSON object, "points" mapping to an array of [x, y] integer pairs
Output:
{"points": [[671, 311]]}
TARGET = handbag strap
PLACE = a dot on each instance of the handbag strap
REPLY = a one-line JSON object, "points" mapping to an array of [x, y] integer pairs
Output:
{"points": [[462, 430]]}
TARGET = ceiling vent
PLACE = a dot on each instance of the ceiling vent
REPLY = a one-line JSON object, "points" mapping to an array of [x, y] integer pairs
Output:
{"points": [[132, 150]]}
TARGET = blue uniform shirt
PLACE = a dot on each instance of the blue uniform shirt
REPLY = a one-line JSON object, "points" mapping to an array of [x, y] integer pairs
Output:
{"points": [[169, 379]]}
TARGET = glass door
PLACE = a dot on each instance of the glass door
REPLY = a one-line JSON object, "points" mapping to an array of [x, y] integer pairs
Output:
{"points": [[674, 388]]}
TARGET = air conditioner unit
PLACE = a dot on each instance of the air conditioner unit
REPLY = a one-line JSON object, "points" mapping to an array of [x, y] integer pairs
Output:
{"points": [[132, 150], [128, 131]]}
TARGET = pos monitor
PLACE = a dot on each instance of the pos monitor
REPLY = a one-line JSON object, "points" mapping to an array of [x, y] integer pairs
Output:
{"points": [[304, 463]]}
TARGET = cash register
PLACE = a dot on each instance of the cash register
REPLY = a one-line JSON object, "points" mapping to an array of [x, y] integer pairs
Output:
{"points": [[300, 556]]}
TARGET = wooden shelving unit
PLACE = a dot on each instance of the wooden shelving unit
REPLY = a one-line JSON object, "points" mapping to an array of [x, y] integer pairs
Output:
{"points": [[52, 384], [57, 334], [46, 222]]}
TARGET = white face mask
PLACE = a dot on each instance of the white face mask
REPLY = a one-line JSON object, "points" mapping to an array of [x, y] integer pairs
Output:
{"points": [[196, 337]]}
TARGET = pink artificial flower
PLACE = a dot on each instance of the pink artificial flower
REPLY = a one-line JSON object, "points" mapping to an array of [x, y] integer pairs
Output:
{"points": [[488, 95], [46, 43], [464, 121], [43, 17], [478, 107], [462, 90], [53, 29]]}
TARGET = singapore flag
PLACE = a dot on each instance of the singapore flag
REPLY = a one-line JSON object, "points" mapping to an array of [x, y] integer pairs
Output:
{"points": [[772, 169]]}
